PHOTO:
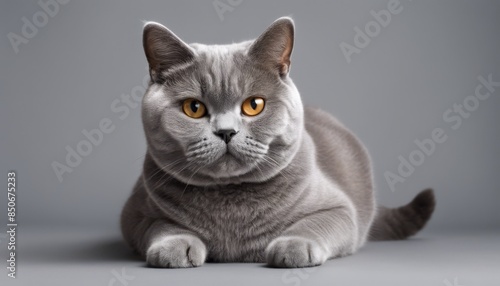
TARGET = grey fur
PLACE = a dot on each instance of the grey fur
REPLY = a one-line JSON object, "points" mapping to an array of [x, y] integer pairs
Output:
{"points": [[293, 188]]}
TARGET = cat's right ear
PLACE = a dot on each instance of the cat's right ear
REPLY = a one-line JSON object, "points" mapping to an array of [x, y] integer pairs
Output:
{"points": [[164, 50], [273, 48]]}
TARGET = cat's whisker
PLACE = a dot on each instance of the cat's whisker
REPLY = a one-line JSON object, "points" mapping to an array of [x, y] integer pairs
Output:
{"points": [[141, 157], [187, 184], [266, 159], [279, 155], [260, 170], [276, 163], [164, 168], [160, 182]]}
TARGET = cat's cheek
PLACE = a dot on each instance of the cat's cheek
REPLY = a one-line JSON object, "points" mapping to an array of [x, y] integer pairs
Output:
{"points": [[181, 128], [272, 126]]}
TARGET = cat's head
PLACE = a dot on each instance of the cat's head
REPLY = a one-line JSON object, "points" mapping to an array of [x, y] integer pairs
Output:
{"points": [[221, 114]]}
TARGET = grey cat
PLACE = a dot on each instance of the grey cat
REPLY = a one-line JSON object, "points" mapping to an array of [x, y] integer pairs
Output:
{"points": [[237, 170]]}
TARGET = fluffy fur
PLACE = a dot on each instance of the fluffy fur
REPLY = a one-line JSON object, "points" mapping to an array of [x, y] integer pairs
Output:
{"points": [[292, 188]]}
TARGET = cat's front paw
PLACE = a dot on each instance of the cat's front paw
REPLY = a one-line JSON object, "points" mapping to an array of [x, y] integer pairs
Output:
{"points": [[292, 252], [176, 251]]}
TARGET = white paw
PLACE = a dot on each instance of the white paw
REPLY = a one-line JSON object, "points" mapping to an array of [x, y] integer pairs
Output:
{"points": [[176, 251], [295, 252]]}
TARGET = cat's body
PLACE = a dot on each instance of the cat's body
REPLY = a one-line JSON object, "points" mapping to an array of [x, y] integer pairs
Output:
{"points": [[290, 186]]}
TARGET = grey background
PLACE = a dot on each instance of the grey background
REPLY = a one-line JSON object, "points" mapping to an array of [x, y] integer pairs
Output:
{"points": [[393, 92]]}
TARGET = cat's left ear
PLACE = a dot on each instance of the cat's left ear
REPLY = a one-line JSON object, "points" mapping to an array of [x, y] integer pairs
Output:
{"points": [[164, 50], [273, 48]]}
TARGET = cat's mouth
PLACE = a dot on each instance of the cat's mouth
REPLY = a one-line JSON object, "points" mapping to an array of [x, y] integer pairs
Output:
{"points": [[230, 153], [230, 156], [226, 160], [230, 163]]}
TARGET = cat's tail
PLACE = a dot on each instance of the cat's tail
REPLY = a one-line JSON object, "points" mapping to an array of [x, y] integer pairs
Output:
{"points": [[405, 221]]}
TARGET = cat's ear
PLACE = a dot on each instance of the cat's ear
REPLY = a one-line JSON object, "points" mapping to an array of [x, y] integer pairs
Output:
{"points": [[164, 50], [274, 47]]}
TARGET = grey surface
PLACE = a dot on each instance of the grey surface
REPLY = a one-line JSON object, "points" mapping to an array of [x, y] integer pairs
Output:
{"points": [[395, 91], [90, 257]]}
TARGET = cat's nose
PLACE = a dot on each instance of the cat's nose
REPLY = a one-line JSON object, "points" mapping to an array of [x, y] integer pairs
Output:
{"points": [[226, 134]]}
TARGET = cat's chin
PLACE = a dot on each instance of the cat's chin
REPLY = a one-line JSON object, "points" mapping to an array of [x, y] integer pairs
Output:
{"points": [[226, 167]]}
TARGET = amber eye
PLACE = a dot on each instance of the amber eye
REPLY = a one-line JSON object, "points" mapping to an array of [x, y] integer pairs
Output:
{"points": [[252, 106], [193, 108]]}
